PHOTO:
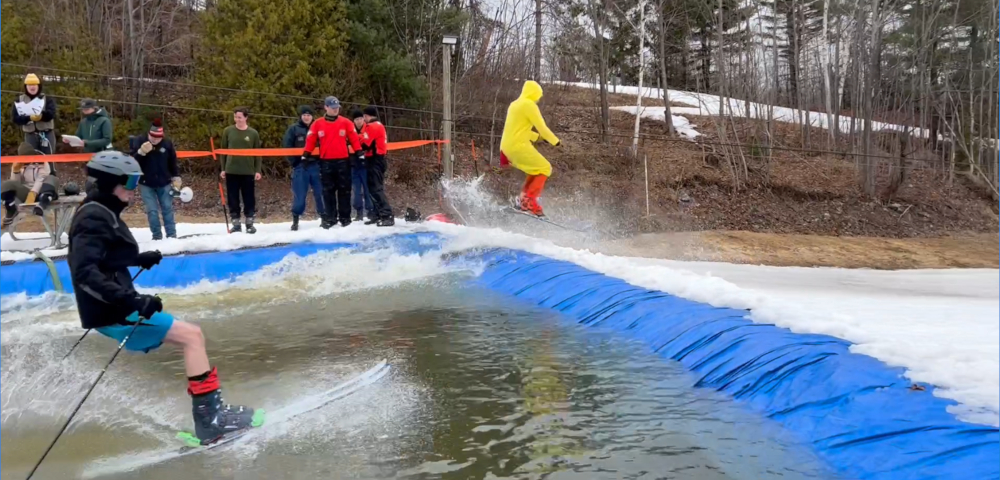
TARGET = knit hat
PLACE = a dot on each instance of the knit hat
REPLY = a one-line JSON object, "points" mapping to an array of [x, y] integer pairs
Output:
{"points": [[332, 102], [304, 109], [356, 114], [156, 129], [32, 79], [371, 111], [88, 103]]}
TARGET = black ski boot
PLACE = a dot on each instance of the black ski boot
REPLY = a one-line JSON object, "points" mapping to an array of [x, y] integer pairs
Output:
{"points": [[10, 211], [44, 200], [327, 224], [250, 228], [387, 222], [237, 227], [295, 223], [214, 419]]}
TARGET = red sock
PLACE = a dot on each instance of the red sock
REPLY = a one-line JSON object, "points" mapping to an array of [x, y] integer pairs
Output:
{"points": [[205, 383]]}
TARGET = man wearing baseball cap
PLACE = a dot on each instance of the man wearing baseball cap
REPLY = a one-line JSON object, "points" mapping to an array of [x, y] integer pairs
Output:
{"points": [[95, 129], [332, 134]]}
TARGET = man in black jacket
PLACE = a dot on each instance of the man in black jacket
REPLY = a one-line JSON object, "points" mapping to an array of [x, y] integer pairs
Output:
{"points": [[305, 173], [160, 177], [101, 250]]}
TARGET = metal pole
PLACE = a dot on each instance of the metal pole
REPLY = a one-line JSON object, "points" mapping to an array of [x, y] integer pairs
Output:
{"points": [[449, 170]]}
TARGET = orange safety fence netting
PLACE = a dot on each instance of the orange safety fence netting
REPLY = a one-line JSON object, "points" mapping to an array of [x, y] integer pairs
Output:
{"points": [[260, 152]]}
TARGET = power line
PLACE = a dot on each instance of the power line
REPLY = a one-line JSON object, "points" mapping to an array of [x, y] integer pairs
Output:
{"points": [[210, 87]]}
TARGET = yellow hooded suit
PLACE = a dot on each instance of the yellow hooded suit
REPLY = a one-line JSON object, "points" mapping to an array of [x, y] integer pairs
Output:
{"points": [[518, 136]]}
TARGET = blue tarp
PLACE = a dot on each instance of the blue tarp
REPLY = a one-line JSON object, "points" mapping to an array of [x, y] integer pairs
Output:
{"points": [[860, 415]]}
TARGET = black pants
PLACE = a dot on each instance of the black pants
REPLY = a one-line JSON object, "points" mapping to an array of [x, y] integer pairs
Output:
{"points": [[376, 185], [336, 178], [240, 186]]}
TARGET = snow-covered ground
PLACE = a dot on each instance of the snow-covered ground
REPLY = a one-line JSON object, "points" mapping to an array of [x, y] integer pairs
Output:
{"points": [[942, 325], [702, 104]]}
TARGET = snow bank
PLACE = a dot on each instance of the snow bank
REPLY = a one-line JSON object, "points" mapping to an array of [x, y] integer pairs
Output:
{"points": [[681, 124], [706, 105], [940, 325]]}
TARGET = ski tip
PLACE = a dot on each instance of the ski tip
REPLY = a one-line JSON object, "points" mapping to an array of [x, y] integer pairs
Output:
{"points": [[189, 439], [258, 418]]}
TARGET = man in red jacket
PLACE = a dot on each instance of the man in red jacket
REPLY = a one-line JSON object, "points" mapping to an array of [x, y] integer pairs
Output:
{"points": [[376, 146], [332, 134]]}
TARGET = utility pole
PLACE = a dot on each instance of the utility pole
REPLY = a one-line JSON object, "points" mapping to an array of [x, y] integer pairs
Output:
{"points": [[449, 42]]}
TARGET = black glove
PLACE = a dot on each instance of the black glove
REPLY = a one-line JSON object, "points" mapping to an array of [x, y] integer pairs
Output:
{"points": [[147, 260], [147, 305], [361, 156]]}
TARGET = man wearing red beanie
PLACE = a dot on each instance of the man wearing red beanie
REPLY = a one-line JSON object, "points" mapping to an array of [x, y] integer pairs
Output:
{"points": [[158, 159]]}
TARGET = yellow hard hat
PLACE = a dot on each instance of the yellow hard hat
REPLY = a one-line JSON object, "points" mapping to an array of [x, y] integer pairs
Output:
{"points": [[32, 79]]}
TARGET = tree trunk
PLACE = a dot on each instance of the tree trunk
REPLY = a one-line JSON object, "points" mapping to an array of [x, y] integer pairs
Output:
{"points": [[825, 65], [538, 40], [667, 117], [642, 70], [602, 67]]}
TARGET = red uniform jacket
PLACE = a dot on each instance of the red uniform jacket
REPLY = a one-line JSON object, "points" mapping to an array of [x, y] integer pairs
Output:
{"points": [[374, 139], [332, 137]]}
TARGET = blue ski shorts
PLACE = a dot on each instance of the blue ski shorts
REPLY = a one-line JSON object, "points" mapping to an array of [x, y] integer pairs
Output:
{"points": [[147, 337]]}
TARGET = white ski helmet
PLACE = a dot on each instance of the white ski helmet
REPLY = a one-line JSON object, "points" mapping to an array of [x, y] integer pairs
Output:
{"points": [[111, 168]]}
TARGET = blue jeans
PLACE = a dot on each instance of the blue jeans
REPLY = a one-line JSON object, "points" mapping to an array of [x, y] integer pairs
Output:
{"points": [[362, 198], [304, 176], [158, 200]]}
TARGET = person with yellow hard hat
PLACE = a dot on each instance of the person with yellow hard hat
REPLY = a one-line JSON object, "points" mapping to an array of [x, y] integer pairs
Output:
{"points": [[38, 128], [523, 127]]}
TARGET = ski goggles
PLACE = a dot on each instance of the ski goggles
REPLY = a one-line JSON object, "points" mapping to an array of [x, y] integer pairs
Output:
{"points": [[132, 181]]}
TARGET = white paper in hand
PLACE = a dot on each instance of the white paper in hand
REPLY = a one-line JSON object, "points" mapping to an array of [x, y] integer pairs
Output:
{"points": [[33, 107], [73, 140]]}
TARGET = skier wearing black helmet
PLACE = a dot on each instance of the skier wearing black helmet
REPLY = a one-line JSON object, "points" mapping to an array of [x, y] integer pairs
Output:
{"points": [[101, 249]]}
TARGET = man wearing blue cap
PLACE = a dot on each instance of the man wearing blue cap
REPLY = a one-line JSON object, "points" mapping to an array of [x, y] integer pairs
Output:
{"points": [[332, 134]]}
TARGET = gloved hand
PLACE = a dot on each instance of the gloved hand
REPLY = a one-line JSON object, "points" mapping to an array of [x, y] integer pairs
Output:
{"points": [[176, 182], [361, 156], [147, 305], [145, 148], [147, 260], [36, 118], [31, 198]]}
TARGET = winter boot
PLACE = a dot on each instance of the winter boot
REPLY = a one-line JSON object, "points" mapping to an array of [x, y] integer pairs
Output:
{"points": [[359, 217], [387, 222], [237, 227], [250, 228], [327, 224], [372, 220], [295, 223]]}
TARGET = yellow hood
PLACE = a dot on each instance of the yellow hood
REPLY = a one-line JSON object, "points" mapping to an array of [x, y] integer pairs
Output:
{"points": [[531, 91]]}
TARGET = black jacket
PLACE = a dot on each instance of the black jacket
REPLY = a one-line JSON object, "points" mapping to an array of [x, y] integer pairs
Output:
{"points": [[101, 248], [295, 137], [159, 165]]}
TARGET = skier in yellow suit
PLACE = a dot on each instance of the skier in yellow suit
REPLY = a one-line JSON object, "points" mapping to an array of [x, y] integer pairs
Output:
{"points": [[523, 127]]}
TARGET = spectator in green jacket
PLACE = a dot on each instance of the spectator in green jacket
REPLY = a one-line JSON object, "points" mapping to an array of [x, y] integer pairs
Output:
{"points": [[241, 171], [95, 129]]}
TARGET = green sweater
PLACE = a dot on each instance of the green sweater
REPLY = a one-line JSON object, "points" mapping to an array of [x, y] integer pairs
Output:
{"points": [[233, 137]]}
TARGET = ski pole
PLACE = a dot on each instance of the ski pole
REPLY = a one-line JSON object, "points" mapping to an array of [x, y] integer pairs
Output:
{"points": [[84, 399], [70, 352]]}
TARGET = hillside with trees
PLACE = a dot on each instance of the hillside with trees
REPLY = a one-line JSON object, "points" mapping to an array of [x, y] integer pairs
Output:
{"points": [[928, 66]]}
